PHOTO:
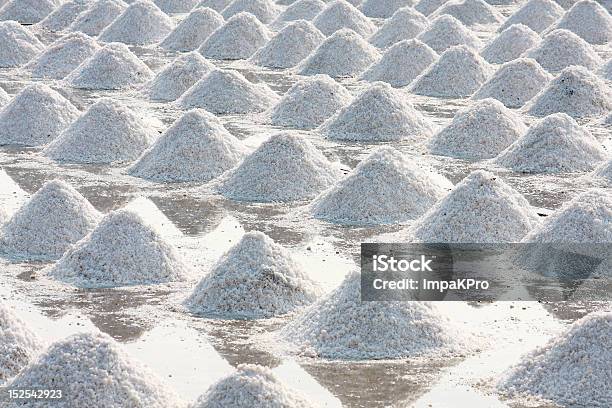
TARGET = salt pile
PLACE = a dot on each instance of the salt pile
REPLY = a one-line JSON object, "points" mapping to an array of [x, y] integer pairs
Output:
{"points": [[459, 72], [238, 38], [385, 188], [401, 63], [309, 102], [300, 10], [383, 8], [604, 171], [429, 6], [4, 97], [575, 91], [251, 386], [378, 114], [445, 32], [561, 49], [112, 67], [341, 14], [35, 116], [28, 11], [92, 370], [193, 30], [572, 369], [63, 56], [64, 15], [177, 77], [255, 279], [142, 23], [227, 92], [515, 83], [556, 144], [480, 131], [480, 209], [589, 20], [49, 223], [535, 14], [152, 216], [343, 54], [405, 24], [176, 6], [195, 148], [606, 70], [286, 167], [470, 12], [290, 46], [510, 44], [122, 250], [98, 16], [217, 5], [109, 132], [17, 45], [265, 10]]}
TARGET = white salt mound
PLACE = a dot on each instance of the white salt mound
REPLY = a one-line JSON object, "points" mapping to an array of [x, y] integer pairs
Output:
{"points": [[341, 14], [429, 6], [606, 70], [286, 167], [177, 77], [510, 44], [238, 38], [228, 92], [309, 102], [152, 216], [535, 14], [470, 12], [4, 97], [93, 370], [217, 5], [343, 54], [112, 67], [63, 56], [561, 49], [176, 6], [265, 10], [28, 11], [480, 209], [589, 20], [64, 15], [195, 148], [515, 83], [459, 72], [405, 24], [383, 8], [401, 63], [109, 132], [193, 30], [604, 172], [480, 131], [575, 91], [17, 44], [12, 197], [142, 23], [98, 16], [300, 10], [572, 369], [35, 116], [379, 114], [251, 386], [49, 223], [385, 188], [445, 32]]}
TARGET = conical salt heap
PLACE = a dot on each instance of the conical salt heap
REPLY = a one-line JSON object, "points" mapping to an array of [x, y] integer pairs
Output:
{"points": [[606, 70], [480, 131], [385, 188], [555, 144], [480, 209], [12, 197], [35, 116], [63, 56], [340, 14], [28, 11], [343, 54], [238, 38], [176, 6], [142, 23], [109, 132], [575, 91], [257, 278], [515, 83], [17, 45], [64, 15], [93, 370], [55, 218], [458, 73], [228, 92], [289, 46], [561, 49], [589, 20], [401, 63], [535, 14], [191, 33], [195, 148], [286, 167], [251, 386], [300, 10], [510, 44], [309, 102], [379, 114], [405, 24], [265, 10], [152, 216], [217, 5], [383, 8], [445, 32], [470, 12], [572, 369], [98, 16], [604, 172], [112, 67], [177, 77], [427, 7]]}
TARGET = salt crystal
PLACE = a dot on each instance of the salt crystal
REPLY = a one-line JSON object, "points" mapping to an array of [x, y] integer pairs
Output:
{"points": [[562, 48], [341, 14], [177, 77], [383, 8], [445, 32], [510, 44], [142, 23], [17, 44], [265, 10], [64, 15], [191, 33], [98, 16], [300, 10], [176, 6], [470, 12], [535, 14], [28, 11], [405, 24], [589, 20]]}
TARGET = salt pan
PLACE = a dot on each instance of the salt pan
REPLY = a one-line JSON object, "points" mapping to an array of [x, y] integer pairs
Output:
{"points": [[265, 10], [177, 77], [176, 6], [340, 14], [561, 49], [300, 10], [98, 16], [405, 24], [470, 12], [28, 11], [142, 23], [510, 44], [193, 30], [535, 14], [63, 56], [589, 20], [445, 32], [17, 44], [383, 8], [64, 15]]}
